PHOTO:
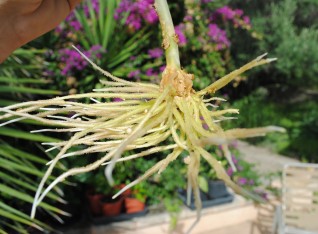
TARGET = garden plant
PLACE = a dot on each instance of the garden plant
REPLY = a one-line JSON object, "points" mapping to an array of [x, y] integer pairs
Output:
{"points": [[171, 116]]}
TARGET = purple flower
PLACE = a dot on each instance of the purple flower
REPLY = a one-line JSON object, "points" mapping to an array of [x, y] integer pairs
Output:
{"points": [[134, 22], [95, 6], [188, 18], [218, 36], [242, 181], [151, 72], [179, 31], [76, 25], [235, 15], [150, 15], [155, 53], [134, 74], [246, 20], [73, 61], [162, 68], [238, 12], [229, 171], [139, 11], [227, 12]]}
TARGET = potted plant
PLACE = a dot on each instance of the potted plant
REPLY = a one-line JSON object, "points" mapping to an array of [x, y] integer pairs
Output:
{"points": [[111, 207], [99, 195], [135, 202]]}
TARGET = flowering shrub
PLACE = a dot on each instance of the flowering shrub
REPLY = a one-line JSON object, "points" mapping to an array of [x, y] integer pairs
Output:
{"points": [[218, 36], [139, 12], [74, 62], [209, 43], [91, 27]]}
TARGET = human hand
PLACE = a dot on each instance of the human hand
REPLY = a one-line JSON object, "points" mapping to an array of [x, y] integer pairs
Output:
{"points": [[25, 20]]}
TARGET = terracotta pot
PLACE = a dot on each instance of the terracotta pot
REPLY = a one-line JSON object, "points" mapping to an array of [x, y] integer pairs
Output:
{"points": [[111, 207], [133, 205], [95, 203]]}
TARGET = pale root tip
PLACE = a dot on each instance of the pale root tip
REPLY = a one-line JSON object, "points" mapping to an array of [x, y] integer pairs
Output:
{"points": [[271, 60], [276, 129], [261, 56], [109, 174]]}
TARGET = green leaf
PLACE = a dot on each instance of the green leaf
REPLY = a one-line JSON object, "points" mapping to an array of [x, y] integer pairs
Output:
{"points": [[14, 217], [4, 102], [15, 89], [203, 184], [22, 80], [27, 198], [93, 28], [110, 21], [22, 215], [3, 232], [22, 184], [4, 163], [22, 154], [25, 135], [80, 16]]}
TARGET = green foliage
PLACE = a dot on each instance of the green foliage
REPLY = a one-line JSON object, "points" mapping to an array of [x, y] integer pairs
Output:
{"points": [[106, 40], [20, 171], [286, 29], [294, 45], [299, 118], [303, 140]]}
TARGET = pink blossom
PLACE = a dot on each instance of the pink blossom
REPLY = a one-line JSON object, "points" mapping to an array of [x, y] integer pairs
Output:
{"points": [[155, 53], [140, 11], [227, 12], [134, 74], [218, 36], [242, 181], [179, 31], [229, 171], [162, 68], [151, 72]]}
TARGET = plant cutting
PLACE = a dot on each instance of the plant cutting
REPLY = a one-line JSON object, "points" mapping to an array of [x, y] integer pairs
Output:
{"points": [[146, 117]]}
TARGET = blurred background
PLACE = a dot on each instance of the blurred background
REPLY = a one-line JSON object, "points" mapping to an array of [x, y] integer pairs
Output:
{"points": [[124, 38]]}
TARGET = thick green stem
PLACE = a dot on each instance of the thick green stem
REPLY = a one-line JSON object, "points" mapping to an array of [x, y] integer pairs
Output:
{"points": [[170, 39]]}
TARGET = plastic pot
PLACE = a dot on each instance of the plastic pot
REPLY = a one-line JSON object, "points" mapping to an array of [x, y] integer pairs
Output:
{"points": [[217, 189]]}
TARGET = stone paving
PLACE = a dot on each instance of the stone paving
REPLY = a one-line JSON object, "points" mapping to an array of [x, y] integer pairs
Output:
{"points": [[265, 160]]}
